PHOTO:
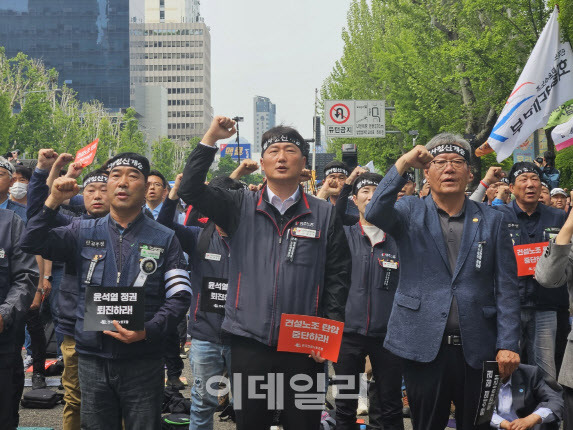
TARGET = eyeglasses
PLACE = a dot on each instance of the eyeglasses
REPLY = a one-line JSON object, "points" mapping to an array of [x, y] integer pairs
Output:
{"points": [[457, 164]]}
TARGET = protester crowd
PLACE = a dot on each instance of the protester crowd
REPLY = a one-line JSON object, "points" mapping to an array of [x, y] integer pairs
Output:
{"points": [[426, 282]]}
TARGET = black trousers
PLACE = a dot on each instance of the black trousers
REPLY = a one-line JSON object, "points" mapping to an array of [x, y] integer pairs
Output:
{"points": [[12, 383], [257, 370], [433, 386], [387, 371], [37, 339], [568, 400], [173, 361]]}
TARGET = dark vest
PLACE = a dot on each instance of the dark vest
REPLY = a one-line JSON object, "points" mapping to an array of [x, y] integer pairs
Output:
{"points": [[550, 222], [375, 273], [105, 274], [266, 280], [209, 281]]}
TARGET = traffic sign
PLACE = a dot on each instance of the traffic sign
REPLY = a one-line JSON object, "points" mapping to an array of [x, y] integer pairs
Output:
{"points": [[339, 113], [355, 118]]}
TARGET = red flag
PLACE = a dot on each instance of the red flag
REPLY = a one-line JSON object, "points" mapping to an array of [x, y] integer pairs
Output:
{"points": [[86, 155]]}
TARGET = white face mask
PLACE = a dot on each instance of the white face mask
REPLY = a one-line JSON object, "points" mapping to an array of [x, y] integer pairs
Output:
{"points": [[19, 190]]}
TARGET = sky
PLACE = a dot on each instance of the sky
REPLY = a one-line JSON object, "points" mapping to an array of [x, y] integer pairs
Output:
{"points": [[282, 50]]}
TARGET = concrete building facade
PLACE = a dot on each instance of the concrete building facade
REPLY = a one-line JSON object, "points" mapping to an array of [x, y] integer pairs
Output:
{"points": [[264, 117], [173, 51]]}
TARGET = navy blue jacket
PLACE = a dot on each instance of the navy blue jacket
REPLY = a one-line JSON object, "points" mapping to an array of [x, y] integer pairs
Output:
{"points": [[530, 391], [167, 291], [485, 288], [67, 300], [375, 272], [542, 225], [18, 208], [205, 318], [18, 281], [265, 279]]}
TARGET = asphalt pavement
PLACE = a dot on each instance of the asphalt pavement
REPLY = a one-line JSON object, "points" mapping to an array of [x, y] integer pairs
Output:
{"points": [[52, 418]]}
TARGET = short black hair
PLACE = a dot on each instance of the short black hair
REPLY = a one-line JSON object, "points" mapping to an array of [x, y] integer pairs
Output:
{"points": [[24, 171], [143, 161], [368, 176], [226, 183], [159, 175], [549, 157]]}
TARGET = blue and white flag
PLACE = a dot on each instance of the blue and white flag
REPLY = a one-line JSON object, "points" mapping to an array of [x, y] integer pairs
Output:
{"points": [[546, 82]]}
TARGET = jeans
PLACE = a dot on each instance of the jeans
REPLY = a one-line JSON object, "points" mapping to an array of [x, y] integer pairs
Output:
{"points": [[113, 390], [53, 312], [527, 341], [208, 359], [545, 334]]}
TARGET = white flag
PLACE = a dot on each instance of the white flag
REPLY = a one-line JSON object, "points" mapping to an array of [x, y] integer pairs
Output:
{"points": [[545, 83], [562, 135]]}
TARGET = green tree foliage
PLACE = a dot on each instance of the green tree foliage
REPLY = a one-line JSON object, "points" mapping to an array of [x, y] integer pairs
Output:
{"points": [[564, 162], [131, 138], [35, 114], [225, 167], [163, 157], [445, 65], [6, 121]]}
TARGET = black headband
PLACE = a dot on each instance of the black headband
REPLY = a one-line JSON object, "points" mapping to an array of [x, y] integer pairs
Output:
{"points": [[336, 169], [448, 148], [95, 178], [361, 183], [410, 177], [544, 184], [504, 180], [521, 171], [303, 146], [128, 162]]}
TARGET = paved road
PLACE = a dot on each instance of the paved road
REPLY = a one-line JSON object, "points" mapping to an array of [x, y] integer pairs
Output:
{"points": [[52, 418]]}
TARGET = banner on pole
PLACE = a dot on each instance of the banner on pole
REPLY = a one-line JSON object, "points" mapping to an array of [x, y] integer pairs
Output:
{"points": [[545, 83]]}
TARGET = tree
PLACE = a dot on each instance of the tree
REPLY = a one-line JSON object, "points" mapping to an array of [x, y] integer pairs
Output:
{"points": [[163, 157], [444, 65], [131, 139], [226, 166], [6, 122]]}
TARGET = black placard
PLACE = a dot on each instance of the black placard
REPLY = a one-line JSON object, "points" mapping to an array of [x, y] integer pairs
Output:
{"points": [[126, 305], [214, 295], [490, 385]]}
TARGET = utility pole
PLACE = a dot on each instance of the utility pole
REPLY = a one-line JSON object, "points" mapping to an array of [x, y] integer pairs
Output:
{"points": [[237, 120]]}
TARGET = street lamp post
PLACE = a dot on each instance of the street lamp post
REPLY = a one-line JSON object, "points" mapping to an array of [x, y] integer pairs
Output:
{"points": [[237, 120]]}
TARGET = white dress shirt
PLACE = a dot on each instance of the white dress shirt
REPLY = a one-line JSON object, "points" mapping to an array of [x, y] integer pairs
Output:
{"points": [[281, 205]]}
